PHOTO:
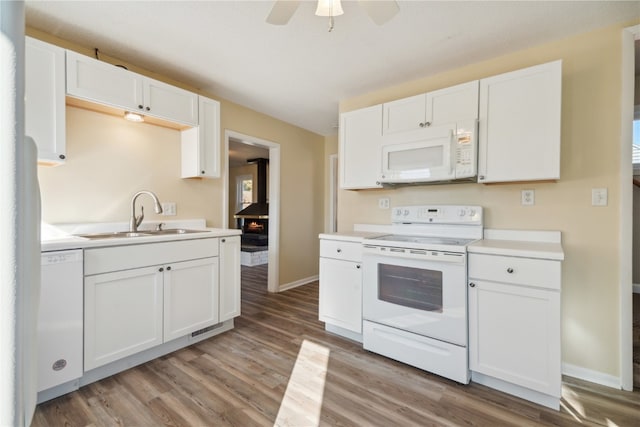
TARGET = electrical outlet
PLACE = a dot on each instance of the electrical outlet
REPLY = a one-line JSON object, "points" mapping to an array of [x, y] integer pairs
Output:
{"points": [[528, 197], [168, 208], [383, 203], [599, 197]]}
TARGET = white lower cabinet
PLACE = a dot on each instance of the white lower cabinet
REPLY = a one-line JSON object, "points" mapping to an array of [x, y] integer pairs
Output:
{"points": [[340, 296], [122, 314], [140, 296], [190, 296], [229, 277], [514, 326]]}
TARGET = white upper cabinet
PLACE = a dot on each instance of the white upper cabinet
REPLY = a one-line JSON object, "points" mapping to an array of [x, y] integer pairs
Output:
{"points": [[104, 83], [201, 144], [170, 102], [360, 147], [44, 99], [435, 108], [519, 125]]}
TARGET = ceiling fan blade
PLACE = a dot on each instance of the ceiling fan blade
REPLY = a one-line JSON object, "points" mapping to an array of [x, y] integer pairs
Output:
{"points": [[380, 12], [282, 11]]}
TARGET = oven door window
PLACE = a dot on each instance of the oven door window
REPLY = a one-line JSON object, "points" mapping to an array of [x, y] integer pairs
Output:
{"points": [[410, 287]]}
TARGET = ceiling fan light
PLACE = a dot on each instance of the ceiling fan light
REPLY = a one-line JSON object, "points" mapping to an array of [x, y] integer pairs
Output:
{"points": [[329, 8]]}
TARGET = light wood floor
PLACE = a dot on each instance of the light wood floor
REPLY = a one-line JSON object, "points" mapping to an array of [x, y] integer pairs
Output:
{"points": [[279, 367]]}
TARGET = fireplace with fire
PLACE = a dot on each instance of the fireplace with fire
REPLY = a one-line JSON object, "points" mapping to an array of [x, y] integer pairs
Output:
{"points": [[254, 219]]}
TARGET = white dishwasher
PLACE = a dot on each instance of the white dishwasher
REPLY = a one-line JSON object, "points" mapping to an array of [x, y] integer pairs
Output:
{"points": [[60, 323]]}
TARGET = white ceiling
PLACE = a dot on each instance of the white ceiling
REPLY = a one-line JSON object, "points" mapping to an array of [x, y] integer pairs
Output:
{"points": [[299, 72]]}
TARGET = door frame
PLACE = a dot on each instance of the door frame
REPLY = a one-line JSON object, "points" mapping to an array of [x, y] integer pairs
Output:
{"points": [[273, 276], [625, 239]]}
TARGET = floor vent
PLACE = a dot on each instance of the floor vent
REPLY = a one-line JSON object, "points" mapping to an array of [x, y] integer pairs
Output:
{"points": [[205, 330]]}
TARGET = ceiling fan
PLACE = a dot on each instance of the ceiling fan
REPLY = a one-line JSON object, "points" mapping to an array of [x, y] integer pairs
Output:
{"points": [[379, 11]]}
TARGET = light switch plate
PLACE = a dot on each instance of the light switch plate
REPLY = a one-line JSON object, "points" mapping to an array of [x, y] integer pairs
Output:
{"points": [[528, 197], [383, 203], [168, 208], [599, 197]]}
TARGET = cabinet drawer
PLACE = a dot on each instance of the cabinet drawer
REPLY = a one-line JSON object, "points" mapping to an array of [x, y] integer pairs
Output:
{"points": [[522, 271], [337, 249]]}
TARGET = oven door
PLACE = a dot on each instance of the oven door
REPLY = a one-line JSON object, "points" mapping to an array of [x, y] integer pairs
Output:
{"points": [[419, 291]]}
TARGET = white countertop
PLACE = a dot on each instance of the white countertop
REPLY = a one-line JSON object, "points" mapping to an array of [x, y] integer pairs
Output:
{"points": [[520, 243], [57, 238]]}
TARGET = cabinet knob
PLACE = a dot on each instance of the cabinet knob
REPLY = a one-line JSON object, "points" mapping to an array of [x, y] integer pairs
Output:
{"points": [[472, 285], [358, 266], [421, 125], [169, 268], [509, 270], [224, 240], [481, 178], [148, 108], [427, 124], [161, 269], [338, 250], [202, 172], [140, 107], [62, 156]]}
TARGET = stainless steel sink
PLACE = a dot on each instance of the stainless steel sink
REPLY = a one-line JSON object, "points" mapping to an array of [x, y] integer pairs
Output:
{"points": [[145, 233]]}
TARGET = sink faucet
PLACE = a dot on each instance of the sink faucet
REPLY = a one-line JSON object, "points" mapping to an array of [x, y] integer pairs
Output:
{"points": [[136, 220]]}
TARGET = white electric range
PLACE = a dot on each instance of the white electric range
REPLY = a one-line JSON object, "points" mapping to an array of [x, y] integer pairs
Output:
{"points": [[415, 288]]}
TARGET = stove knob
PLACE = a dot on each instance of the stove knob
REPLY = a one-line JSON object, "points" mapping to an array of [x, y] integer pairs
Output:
{"points": [[462, 212], [406, 212], [472, 212], [398, 212]]}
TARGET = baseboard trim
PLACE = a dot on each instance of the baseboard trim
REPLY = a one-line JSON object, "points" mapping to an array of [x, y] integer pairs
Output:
{"points": [[297, 283], [591, 375]]}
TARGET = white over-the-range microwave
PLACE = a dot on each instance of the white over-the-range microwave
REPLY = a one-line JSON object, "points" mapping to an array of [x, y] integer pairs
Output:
{"points": [[433, 155]]}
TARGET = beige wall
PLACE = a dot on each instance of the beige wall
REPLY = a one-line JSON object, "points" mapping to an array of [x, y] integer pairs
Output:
{"points": [[110, 159], [590, 159]]}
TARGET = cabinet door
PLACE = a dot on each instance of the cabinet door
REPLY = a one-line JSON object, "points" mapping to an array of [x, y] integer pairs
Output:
{"points": [[229, 277], [340, 300], [201, 144], [404, 115], [45, 99], [452, 104], [360, 146], [103, 83], [122, 314], [190, 296], [170, 102], [514, 335], [519, 125]]}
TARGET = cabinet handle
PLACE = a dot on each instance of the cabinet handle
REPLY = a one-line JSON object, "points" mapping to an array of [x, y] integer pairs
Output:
{"points": [[161, 269], [358, 266], [509, 270], [169, 268], [62, 156], [472, 285], [481, 178]]}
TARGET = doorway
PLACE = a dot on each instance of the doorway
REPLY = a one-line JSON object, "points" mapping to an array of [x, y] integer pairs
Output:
{"points": [[630, 54], [239, 149]]}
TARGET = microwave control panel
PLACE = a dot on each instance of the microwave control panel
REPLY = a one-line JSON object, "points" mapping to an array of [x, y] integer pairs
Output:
{"points": [[466, 148]]}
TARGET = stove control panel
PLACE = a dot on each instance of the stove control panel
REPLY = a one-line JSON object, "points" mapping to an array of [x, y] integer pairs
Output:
{"points": [[437, 214]]}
